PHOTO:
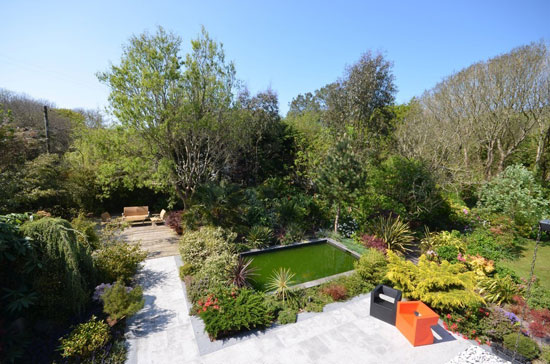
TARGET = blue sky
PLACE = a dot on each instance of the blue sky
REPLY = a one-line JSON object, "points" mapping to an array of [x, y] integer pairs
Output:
{"points": [[52, 49]]}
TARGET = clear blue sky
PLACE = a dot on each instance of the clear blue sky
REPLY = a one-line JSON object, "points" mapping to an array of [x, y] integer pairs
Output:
{"points": [[52, 49]]}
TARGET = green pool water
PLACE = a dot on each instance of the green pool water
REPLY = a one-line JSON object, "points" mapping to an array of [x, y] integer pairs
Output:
{"points": [[308, 262]]}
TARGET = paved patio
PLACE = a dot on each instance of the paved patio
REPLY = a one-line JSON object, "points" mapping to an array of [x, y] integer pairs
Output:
{"points": [[162, 333]]}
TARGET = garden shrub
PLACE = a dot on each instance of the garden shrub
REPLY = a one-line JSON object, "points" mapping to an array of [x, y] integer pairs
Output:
{"points": [[174, 221], [448, 253], [482, 242], [478, 264], [217, 267], [228, 311], [338, 292], [287, 316], [505, 271], [526, 347], [119, 261], [67, 273], [545, 353], [197, 246], [371, 266], [443, 286], [433, 241], [539, 298], [515, 193], [371, 241], [87, 228], [197, 286], [356, 285], [469, 322], [186, 270], [85, 339], [499, 323], [413, 189], [120, 301]]}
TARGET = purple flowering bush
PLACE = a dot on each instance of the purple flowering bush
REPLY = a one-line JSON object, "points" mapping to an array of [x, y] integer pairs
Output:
{"points": [[500, 323]]}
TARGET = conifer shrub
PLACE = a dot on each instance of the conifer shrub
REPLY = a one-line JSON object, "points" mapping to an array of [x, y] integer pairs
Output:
{"points": [[444, 286], [120, 301], [287, 316], [448, 253], [226, 311], [87, 234], [67, 275], [371, 266]]}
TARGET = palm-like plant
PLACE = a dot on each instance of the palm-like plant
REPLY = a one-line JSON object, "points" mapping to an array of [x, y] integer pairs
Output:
{"points": [[280, 282], [498, 290], [241, 274], [395, 232]]}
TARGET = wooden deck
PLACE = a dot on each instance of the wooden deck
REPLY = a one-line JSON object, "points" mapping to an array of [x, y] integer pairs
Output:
{"points": [[158, 241]]}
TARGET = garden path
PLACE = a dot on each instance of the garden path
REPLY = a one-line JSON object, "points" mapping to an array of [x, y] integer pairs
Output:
{"points": [[162, 332], [159, 241]]}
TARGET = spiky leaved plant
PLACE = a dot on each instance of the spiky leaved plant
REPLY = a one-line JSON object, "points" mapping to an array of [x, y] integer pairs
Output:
{"points": [[395, 232], [498, 289], [241, 273], [280, 282]]}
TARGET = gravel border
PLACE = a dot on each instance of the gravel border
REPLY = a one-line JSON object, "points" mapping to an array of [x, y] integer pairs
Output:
{"points": [[476, 355]]}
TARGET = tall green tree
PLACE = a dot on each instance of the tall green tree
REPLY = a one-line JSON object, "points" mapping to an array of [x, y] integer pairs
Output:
{"points": [[180, 107], [340, 176]]}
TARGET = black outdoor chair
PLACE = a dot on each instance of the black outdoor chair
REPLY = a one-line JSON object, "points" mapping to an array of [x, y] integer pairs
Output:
{"points": [[380, 307]]}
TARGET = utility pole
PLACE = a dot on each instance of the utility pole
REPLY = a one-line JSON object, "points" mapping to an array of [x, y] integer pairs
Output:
{"points": [[47, 127]]}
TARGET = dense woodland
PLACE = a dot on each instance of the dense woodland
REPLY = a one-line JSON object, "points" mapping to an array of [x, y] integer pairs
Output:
{"points": [[463, 170]]}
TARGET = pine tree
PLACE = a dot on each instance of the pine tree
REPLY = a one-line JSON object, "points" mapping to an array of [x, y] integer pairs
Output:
{"points": [[340, 176]]}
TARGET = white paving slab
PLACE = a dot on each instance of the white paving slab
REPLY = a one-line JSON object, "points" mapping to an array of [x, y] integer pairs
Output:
{"points": [[162, 333]]}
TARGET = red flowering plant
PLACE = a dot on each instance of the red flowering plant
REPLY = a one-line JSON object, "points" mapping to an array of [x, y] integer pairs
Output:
{"points": [[468, 324], [210, 302]]}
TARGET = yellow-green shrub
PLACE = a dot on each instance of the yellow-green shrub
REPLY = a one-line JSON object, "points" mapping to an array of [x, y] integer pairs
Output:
{"points": [[446, 286], [85, 339]]}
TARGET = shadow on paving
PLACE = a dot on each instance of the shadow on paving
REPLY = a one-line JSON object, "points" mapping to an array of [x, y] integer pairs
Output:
{"points": [[148, 278], [151, 319]]}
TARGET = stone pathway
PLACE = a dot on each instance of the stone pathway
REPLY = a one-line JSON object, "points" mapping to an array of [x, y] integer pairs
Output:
{"points": [[159, 241], [162, 333]]}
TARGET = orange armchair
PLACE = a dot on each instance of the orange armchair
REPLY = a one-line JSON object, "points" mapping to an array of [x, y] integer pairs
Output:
{"points": [[414, 319]]}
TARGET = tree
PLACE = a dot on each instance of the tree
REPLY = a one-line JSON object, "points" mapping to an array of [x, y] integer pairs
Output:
{"points": [[469, 125], [515, 193], [266, 147], [181, 108], [340, 176]]}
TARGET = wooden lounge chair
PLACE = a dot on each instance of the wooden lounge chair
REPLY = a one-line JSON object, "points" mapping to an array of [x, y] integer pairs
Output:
{"points": [[136, 214], [158, 219]]}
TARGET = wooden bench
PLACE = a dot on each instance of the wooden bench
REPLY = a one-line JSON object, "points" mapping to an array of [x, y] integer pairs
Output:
{"points": [[136, 214]]}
